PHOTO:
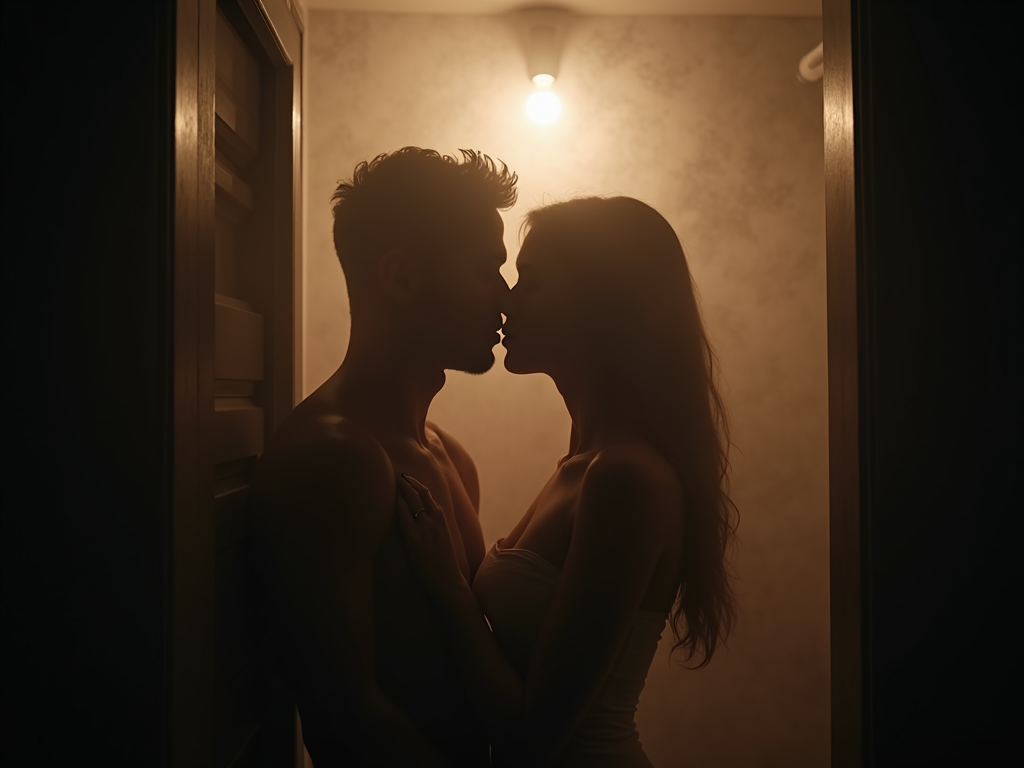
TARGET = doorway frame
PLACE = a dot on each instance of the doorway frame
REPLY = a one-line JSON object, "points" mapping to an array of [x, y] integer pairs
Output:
{"points": [[842, 236], [189, 674], [193, 226]]}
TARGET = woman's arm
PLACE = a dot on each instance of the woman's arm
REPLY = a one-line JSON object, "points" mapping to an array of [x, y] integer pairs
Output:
{"points": [[627, 507], [627, 510]]}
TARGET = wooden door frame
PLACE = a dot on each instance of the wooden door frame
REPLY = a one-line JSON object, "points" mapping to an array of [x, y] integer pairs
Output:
{"points": [[189, 734], [191, 662], [279, 27], [842, 238], [923, 208]]}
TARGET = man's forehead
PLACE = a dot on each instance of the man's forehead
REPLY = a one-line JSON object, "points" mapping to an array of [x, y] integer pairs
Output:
{"points": [[478, 229], [484, 222]]}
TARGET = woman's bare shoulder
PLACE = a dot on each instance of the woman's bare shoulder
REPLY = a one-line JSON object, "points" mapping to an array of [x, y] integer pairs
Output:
{"points": [[636, 462], [631, 474]]}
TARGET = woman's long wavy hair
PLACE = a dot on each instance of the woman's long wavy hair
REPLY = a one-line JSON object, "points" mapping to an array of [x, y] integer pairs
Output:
{"points": [[646, 307]]}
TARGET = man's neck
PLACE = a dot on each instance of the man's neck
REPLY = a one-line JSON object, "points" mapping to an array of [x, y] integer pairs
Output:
{"points": [[389, 393]]}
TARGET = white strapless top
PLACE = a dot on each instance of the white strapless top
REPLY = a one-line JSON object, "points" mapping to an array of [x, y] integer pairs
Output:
{"points": [[515, 588]]}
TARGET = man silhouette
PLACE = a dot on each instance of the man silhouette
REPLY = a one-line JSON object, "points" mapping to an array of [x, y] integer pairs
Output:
{"points": [[419, 238]]}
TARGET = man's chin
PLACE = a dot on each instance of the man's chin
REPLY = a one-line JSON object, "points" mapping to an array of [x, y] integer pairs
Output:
{"points": [[482, 364]]}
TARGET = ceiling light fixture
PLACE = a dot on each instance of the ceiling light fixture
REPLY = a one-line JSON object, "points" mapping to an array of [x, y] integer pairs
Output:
{"points": [[543, 42]]}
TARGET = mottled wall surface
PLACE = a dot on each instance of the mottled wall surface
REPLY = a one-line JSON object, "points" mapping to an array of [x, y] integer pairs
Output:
{"points": [[702, 118]]}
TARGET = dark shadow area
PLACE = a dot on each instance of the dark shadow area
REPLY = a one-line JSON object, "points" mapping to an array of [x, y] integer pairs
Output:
{"points": [[87, 362], [939, 277]]}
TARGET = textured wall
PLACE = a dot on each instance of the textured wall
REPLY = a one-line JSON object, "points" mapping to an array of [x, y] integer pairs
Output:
{"points": [[703, 119]]}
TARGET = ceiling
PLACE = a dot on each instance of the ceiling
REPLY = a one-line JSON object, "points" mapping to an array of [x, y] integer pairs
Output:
{"points": [[587, 7]]}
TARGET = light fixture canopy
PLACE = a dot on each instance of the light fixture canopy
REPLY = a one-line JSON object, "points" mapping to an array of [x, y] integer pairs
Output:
{"points": [[544, 28]]}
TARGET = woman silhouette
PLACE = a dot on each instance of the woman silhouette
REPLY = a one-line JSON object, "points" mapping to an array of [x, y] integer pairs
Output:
{"points": [[633, 526]]}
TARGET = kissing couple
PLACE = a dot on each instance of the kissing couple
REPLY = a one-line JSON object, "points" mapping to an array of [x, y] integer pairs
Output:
{"points": [[408, 642]]}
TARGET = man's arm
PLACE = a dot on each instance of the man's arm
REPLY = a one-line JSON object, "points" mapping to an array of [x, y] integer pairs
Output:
{"points": [[324, 511]]}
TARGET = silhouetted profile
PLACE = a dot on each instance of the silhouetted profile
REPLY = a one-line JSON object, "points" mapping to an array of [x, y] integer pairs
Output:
{"points": [[633, 526], [420, 241]]}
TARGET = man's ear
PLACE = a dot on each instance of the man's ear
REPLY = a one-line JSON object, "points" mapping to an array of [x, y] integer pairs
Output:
{"points": [[396, 274]]}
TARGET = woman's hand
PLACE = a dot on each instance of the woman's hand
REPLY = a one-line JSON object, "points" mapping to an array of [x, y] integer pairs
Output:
{"points": [[488, 679], [428, 542]]}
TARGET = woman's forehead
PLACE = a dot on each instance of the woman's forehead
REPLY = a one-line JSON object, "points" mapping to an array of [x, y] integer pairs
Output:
{"points": [[531, 256], [545, 247], [541, 242]]}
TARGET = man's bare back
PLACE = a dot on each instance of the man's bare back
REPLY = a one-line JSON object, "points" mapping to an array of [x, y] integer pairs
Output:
{"points": [[326, 498]]}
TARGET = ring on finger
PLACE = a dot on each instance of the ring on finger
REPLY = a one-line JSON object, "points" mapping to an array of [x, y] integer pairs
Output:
{"points": [[417, 512]]}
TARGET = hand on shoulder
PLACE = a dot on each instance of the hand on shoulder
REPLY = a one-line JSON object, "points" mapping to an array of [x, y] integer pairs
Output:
{"points": [[462, 461]]}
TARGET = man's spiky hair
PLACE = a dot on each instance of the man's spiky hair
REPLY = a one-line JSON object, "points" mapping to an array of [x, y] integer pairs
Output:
{"points": [[407, 198]]}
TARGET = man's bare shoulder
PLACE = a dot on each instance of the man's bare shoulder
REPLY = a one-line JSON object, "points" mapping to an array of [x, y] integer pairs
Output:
{"points": [[320, 443], [328, 476]]}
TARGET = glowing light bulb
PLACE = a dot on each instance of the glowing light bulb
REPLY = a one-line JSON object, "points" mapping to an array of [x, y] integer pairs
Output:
{"points": [[543, 107], [543, 81]]}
